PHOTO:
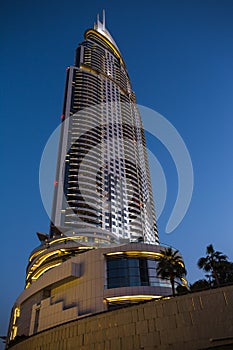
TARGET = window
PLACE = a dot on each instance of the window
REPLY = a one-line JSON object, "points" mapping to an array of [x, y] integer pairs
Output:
{"points": [[124, 272]]}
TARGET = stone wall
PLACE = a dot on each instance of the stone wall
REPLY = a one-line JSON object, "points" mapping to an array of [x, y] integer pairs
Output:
{"points": [[201, 320]]}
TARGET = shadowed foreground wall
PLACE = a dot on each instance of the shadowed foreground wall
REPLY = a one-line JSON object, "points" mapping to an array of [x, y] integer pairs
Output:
{"points": [[197, 321]]}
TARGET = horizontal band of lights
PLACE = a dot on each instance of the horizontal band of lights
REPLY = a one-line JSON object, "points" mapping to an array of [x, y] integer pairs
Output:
{"points": [[132, 298], [43, 270], [88, 69], [42, 259], [69, 238], [93, 71], [145, 254], [136, 253], [117, 53], [40, 272], [35, 254]]}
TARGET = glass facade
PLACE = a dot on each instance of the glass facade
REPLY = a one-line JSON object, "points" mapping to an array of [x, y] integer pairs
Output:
{"points": [[134, 271], [103, 190]]}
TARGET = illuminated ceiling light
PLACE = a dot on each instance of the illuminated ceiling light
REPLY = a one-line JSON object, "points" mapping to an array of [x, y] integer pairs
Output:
{"points": [[132, 298], [136, 253]]}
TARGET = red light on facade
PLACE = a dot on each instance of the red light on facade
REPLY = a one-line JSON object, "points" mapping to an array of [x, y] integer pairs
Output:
{"points": [[62, 117], [55, 183]]}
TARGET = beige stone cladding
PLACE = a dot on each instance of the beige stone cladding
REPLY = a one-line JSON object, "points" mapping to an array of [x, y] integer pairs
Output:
{"points": [[201, 320], [77, 288]]}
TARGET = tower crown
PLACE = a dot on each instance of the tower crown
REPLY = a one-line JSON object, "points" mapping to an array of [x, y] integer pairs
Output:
{"points": [[100, 27]]}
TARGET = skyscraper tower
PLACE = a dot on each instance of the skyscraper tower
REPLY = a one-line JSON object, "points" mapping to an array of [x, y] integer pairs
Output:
{"points": [[102, 189], [102, 249]]}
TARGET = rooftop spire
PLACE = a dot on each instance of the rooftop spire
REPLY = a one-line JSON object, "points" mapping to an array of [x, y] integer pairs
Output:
{"points": [[101, 28], [103, 19]]}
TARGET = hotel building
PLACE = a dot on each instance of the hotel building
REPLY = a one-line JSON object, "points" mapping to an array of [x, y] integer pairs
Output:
{"points": [[102, 249]]}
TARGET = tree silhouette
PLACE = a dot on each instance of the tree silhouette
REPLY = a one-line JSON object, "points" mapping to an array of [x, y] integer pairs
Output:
{"points": [[226, 272], [213, 262], [199, 285], [170, 266]]}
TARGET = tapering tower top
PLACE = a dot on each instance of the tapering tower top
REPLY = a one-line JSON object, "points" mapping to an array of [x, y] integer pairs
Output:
{"points": [[101, 28]]}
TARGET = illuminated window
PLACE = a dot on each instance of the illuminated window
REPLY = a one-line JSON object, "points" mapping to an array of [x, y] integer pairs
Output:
{"points": [[125, 272]]}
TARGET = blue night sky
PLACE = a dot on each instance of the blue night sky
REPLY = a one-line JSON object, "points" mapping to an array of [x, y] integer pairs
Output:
{"points": [[179, 55]]}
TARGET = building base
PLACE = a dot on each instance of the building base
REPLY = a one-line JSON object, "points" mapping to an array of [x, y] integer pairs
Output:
{"points": [[201, 320]]}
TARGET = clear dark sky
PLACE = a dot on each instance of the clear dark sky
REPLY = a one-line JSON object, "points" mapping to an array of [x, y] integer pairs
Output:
{"points": [[179, 56]]}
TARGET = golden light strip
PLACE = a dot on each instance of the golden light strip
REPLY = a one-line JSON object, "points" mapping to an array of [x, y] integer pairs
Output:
{"points": [[35, 266], [141, 253], [35, 254], [39, 273], [184, 282], [13, 332], [88, 69], [93, 71], [14, 327], [181, 263], [16, 314], [136, 253], [42, 259], [68, 238], [48, 255], [117, 53], [133, 297]]}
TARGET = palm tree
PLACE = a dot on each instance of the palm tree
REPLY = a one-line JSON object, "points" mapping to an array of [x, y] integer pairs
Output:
{"points": [[170, 266], [213, 262], [226, 272], [199, 285]]}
